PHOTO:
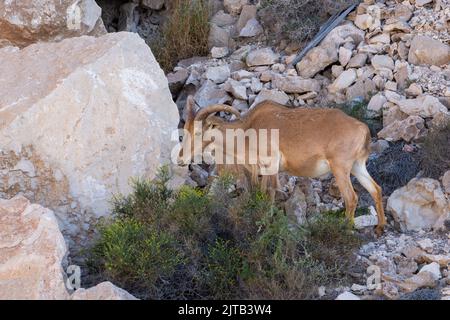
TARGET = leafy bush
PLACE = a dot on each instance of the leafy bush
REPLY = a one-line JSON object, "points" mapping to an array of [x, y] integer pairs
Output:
{"points": [[435, 153], [299, 20], [184, 35], [135, 256], [213, 244]]}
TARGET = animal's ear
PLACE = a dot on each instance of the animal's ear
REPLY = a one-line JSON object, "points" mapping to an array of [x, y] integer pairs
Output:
{"points": [[190, 108]]}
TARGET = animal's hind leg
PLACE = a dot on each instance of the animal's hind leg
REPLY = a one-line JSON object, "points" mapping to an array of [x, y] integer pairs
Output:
{"points": [[341, 173], [359, 170]]}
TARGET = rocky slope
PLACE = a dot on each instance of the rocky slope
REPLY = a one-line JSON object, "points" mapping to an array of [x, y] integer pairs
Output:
{"points": [[393, 55], [81, 112]]}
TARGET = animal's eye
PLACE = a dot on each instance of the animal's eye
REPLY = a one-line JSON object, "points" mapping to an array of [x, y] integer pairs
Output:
{"points": [[198, 133]]}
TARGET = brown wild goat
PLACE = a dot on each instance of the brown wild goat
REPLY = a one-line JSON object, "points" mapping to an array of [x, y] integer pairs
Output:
{"points": [[312, 142]]}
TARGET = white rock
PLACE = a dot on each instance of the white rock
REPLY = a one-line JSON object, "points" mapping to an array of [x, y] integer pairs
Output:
{"points": [[344, 56], [242, 74], [238, 90], [432, 268], [295, 84], [419, 205], [103, 291], [32, 252], [365, 221], [234, 7], [364, 21], [271, 95], [426, 50], [425, 106], [408, 129], [382, 61], [25, 22], [421, 3], [376, 104], [262, 57], [426, 244], [219, 52], [344, 80], [218, 74], [98, 111], [251, 29], [347, 296]]}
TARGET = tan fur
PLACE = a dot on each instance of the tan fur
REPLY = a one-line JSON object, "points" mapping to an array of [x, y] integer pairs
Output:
{"points": [[314, 142]]}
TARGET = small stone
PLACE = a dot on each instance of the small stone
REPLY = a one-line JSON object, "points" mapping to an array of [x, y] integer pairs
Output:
{"points": [[426, 244], [242, 74], [390, 85], [364, 21], [376, 104], [295, 84], [347, 296], [218, 74], [219, 52], [336, 70], [358, 288], [272, 95], [365, 221], [358, 61], [251, 29], [262, 57], [238, 90], [344, 80], [421, 3], [382, 61], [379, 146], [414, 90], [409, 129], [421, 280], [234, 7], [432, 268], [344, 56]]}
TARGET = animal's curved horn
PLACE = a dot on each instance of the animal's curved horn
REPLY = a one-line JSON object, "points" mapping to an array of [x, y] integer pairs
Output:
{"points": [[190, 108], [205, 112], [214, 120]]}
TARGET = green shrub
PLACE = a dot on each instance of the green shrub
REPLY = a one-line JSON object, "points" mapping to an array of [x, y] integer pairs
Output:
{"points": [[331, 240], [135, 256], [222, 269], [184, 35], [435, 153], [213, 244]]}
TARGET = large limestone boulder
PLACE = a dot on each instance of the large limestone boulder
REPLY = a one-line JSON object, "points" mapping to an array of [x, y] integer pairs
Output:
{"points": [[326, 53], [78, 118], [26, 22], [33, 256], [426, 50], [420, 204], [32, 252]]}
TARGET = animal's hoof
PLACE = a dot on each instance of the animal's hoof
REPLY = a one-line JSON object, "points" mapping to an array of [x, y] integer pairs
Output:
{"points": [[379, 231]]}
